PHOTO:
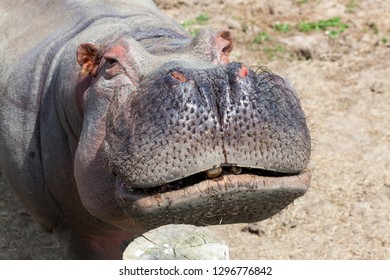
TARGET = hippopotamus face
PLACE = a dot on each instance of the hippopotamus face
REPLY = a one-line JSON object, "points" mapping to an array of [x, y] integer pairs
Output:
{"points": [[186, 136]]}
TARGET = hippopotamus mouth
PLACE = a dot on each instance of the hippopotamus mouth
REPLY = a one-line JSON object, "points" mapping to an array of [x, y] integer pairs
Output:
{"points": [[251, 196], [185, 149]]}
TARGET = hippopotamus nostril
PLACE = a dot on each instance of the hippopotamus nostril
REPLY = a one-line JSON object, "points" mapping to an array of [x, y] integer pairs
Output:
{"points": [[179, 76], [243, 72], [236, 71]]}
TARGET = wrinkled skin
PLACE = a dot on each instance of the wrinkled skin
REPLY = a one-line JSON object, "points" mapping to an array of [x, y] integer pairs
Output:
{"points": [[117, 121]]}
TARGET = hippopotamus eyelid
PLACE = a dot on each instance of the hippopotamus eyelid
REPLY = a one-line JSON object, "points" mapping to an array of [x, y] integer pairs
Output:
{"points": [[111, 61], [110, 58]]}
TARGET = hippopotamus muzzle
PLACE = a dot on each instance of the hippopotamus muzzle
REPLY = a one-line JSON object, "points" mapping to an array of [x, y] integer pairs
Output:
{"points": [[207, 145]]}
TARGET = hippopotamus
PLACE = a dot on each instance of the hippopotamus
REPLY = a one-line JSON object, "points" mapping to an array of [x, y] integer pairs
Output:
{"points": [[114, 120]]}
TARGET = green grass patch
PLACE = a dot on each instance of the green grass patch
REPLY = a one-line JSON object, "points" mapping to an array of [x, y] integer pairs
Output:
{"points": [[282, 27], [262, 37], [192, 25], [202, 19], [333, 26], [187, 23]]}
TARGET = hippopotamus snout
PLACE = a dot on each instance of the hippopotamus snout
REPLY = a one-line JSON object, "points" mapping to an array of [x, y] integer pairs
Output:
{"points": [[183, 124], [184, 121]]}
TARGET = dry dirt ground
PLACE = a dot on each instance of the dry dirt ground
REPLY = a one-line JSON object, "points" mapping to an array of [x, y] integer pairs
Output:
{"points": [[342, 75]]}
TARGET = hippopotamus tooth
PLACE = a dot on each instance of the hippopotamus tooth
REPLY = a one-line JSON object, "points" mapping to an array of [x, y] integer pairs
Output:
{"points": [[213, 173], [236, 170], [115, 121]]}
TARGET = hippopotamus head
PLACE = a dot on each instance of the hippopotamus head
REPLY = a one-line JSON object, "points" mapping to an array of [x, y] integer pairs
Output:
{"points": [[185, 136]]}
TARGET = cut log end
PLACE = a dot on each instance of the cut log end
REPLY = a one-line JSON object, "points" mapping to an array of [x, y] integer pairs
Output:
{"points": [[177, 242]]}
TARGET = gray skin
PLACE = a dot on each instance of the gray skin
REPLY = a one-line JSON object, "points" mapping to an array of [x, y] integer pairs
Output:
{"points": [[114, 121]]}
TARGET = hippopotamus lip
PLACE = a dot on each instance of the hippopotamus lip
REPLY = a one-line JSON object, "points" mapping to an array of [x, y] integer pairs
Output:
{"points": [[230, 198]]}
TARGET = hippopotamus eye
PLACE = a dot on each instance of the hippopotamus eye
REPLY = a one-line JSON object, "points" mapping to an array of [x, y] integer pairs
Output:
{"points": [[111, 61], [113, 67]]}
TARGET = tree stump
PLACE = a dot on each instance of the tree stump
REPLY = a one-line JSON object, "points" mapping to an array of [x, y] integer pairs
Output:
{"points": [[177, 242]]}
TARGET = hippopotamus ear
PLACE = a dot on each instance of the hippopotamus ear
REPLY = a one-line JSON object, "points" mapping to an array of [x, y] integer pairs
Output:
{"points": [[224, 45], [214, 47], [88, 57]]}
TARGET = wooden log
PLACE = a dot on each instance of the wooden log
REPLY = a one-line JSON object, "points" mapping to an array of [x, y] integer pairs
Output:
{"points": [[177, 242]]}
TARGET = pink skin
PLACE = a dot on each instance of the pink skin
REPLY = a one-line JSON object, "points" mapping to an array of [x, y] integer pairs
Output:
{"points": [[96, 184], [104, 245], [96, 187]]}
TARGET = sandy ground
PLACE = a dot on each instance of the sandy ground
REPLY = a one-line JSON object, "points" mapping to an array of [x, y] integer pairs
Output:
{"points": [[343, 80]]}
